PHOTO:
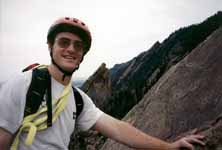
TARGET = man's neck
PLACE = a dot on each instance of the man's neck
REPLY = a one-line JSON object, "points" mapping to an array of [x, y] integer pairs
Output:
{"points": [[58, 75]]}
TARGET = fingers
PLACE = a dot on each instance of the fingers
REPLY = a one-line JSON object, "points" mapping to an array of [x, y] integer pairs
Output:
{"points": [[195, 139], [187, 142], [187, 145], [197, 136]]}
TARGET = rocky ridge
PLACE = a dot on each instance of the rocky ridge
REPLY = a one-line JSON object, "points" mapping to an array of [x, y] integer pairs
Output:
{"points": [[187, 97]]}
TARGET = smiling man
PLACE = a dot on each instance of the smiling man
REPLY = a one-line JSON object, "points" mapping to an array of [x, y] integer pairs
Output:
{"points": [[47, 119]]}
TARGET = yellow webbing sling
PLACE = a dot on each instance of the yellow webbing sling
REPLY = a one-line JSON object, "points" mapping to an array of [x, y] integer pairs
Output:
{"points": [[38, 121]]}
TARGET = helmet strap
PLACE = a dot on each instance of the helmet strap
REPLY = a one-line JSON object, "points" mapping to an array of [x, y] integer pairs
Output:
{"points": [[65, 73]]}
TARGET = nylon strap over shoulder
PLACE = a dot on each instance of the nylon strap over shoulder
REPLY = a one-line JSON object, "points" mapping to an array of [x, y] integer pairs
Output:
{"points": [[40, 85], [38, 118], [34, 122], [79, 102]]}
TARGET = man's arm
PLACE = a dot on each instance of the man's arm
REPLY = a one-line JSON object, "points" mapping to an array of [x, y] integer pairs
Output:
{"points": [[126, 134], [5, 139]]}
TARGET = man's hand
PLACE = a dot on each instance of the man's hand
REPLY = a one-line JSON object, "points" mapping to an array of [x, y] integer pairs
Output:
{"points": [[187, 142], [126, 134]]}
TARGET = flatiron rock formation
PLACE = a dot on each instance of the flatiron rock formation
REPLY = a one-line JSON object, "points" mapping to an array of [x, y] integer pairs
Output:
{"points": [[193, 93], [188, 96], [98, 86], [131, 80]]}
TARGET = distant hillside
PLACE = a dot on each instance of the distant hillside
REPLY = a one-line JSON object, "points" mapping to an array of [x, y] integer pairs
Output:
{"points": [[79, 82]]}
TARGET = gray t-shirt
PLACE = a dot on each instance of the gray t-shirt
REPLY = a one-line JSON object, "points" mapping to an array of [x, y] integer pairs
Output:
{"points": [[57, 137]]}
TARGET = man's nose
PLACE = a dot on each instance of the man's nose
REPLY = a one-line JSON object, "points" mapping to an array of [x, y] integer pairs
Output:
{"points": [[71, 47]]}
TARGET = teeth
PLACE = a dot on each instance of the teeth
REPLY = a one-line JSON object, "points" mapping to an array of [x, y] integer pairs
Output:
{"points": [[69, 57]]}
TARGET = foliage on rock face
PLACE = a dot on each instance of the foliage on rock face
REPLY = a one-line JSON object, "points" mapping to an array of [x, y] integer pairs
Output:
{"points": [[90, 140]]}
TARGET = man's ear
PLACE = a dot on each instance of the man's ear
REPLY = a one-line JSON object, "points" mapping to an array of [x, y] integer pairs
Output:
{"points": [[49, 47]]}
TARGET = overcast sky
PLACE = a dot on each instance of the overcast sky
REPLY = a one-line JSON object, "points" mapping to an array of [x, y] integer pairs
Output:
{"points": [[121, 29]]}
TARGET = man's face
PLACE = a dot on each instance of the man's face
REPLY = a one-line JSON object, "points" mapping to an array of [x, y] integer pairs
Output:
{"points": [[67, 50]]}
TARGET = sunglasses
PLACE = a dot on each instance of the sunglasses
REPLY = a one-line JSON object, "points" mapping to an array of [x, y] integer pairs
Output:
{"points": [[65, 43]]}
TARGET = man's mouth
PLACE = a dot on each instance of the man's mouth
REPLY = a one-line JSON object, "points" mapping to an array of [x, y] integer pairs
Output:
{"points": [[69, 57]]}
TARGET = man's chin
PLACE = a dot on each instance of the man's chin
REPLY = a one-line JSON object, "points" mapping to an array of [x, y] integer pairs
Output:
{"points": [[69, 68]]}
